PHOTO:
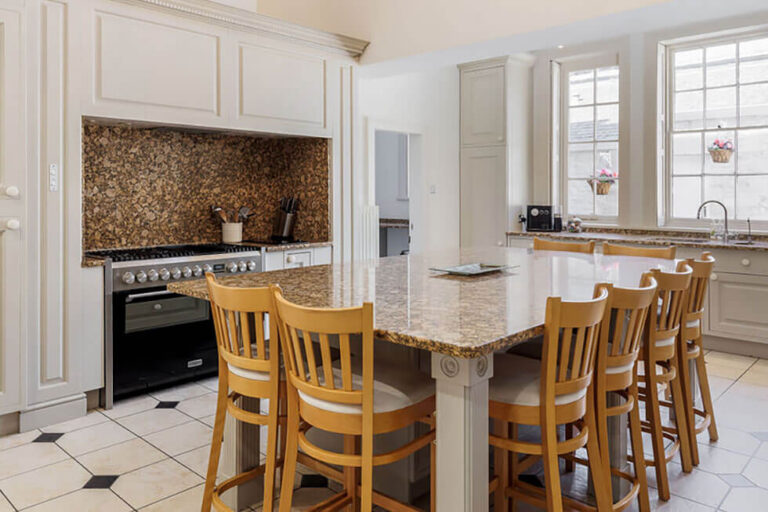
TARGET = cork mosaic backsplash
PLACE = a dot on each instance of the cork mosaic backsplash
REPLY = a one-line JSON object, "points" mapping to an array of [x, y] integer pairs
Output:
{"points": [[156, 186]]}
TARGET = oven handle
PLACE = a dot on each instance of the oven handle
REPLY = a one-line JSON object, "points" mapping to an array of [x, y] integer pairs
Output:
{"points": [[159, 293]]}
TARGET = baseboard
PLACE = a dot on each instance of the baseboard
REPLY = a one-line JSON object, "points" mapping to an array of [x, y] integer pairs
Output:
{"points": [[739, 347], [50, 413], [9, 423]]}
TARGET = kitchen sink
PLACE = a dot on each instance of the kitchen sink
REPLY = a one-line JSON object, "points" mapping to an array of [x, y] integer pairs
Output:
{"points": [[682, 239]]}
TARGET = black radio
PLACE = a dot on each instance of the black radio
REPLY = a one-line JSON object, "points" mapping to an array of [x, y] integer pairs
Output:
{"points": [[542, 218]]}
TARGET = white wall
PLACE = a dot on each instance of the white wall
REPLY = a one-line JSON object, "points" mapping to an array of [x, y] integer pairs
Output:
{"points": [[391, 164], [425, 103]]}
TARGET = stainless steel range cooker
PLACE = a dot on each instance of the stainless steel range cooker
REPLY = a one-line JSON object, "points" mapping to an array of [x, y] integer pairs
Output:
{"points": [[155, 338]]}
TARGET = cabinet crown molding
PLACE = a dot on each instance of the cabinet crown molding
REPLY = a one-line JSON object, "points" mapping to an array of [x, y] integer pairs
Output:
{"points": [[251, 22]]}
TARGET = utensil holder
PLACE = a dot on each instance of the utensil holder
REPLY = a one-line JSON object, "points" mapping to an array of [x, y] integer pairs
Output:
{"points": [[232, 232], [283, 227]]}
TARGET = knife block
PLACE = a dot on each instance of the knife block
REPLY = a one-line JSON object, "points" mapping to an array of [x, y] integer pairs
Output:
{"points": [[283, 226]]}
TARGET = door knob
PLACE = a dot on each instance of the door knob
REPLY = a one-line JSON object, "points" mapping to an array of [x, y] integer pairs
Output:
{"points": [[10, 191], [746, 262], [11, 224], [713, 276]]}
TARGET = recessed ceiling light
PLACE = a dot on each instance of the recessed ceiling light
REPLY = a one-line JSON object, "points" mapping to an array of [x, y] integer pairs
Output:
{"points": [[560, 47]]}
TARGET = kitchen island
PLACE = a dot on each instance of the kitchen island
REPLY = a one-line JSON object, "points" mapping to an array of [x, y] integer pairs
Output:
{"points": [[461, 321]]}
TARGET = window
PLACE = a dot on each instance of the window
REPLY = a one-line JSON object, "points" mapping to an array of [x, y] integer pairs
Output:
{"points": [[717, 97], [589, 128]]}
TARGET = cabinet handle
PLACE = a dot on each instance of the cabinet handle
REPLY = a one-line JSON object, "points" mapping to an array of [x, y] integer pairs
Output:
{"points": [[10, 225], [290, 258], [713, 276], [746, 262], [499, 138], [10, 191]]}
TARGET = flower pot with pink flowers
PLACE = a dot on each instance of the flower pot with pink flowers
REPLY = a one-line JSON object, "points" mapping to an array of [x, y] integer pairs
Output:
{"points": [[721, 150], [601, 184]]}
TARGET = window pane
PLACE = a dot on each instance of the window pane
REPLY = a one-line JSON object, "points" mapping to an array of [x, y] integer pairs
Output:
{"points": [[689, 110], [721, 65], [689, 70], [721, 107], [753, 48], [608, 84], [607, 157], [754, 104], [753, 197], [710, 166], [581, 124], [720, 188], [608, 204], [686, 196], [753, 69], [753, 151], [607, 122], [581, 160], [581, 87], [686, 153], [580, 197]]}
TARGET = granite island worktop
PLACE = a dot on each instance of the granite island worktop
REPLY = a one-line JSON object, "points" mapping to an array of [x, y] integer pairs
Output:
{"points": [[464, 317], [650, 237]]}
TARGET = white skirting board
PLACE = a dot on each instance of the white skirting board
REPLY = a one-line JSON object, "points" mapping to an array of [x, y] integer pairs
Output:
{"points": [[51, 413]]}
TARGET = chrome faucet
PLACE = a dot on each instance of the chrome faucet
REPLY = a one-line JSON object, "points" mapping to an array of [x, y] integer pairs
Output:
{"points": [[725, 213]]}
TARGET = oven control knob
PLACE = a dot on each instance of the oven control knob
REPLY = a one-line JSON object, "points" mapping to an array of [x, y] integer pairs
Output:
{"points": [[152, 274], [207, 268], [251, 265], [186, 272], [129, 278], [241, 265], [197, 271], [164, 274], [175, 273], [232, 267], [141, 276]]}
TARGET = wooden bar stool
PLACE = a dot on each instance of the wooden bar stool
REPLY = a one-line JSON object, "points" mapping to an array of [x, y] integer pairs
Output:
{"points": [[554, 391], [249, 366], [660, 367], [540, 244], [346, 399], [667, 253], [690, 347], [618, 350]]}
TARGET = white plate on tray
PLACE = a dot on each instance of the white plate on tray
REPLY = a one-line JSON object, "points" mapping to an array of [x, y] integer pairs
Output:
{"points": [[473, 269]]}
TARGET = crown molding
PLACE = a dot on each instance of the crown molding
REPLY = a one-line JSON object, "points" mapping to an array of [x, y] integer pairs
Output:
{"points": [[247, 21]]}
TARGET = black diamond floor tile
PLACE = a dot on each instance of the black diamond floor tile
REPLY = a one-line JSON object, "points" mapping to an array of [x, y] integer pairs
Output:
{"points": [[100, 482], [47, 438], [314, 481], [166, 405]]}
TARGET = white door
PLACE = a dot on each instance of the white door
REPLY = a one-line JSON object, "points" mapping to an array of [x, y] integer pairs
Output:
{"points": [[483, 196], [12, 194], [482, 106]]}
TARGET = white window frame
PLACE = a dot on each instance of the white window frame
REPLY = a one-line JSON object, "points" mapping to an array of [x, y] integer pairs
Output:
{"points": [[667, 53], [566, 67]]}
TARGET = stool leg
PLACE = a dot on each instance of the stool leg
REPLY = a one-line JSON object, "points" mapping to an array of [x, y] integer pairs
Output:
{"points": [[291, 452], [602, 487], [601, 431], [686, 386], [551, 462], [512, 465], [217, 438], [501, 466], [350, 473], [706, 394], [680, 419], [269, 471], [636, 437], [653, 414], [570, 432], [433, 476]]}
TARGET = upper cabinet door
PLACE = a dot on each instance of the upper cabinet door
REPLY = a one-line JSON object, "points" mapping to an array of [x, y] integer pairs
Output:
{"points": [[12, 198], [483, 106]]}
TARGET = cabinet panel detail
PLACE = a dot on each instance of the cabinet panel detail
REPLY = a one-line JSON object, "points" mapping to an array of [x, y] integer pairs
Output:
{"points": [[737, 306], [483, 196], [482, 106], [149, 63], [282, 85]]}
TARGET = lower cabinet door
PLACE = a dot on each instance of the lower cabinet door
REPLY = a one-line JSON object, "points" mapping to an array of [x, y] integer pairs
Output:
{"points": [[738, 306]]}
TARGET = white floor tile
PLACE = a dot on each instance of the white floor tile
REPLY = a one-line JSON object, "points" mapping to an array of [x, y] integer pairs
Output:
{"points": [[181, 438], [208, 420], [153, 420], [304, 498], [180, 393], [121, 458], [153, 483], [45, 483], [94, 438], [90, 419], [699, 486], [210, 383], [717, 460], [200, 406], [197, 460], [757, 471], [130, 406], [5, 505], [745, 499], [14, 440], [187, 500], [732, 439], [29, 456], [84, 500]]}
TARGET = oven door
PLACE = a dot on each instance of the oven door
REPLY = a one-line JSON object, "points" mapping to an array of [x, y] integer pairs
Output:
{"points": [[160, 338]]}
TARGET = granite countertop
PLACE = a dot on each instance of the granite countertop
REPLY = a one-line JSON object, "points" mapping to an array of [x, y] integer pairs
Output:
{"points": [[651, 237], [91, 261], [460, 316], [394, 223]]}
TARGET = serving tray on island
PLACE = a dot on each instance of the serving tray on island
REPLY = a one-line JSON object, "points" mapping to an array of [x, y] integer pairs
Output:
{"points": [[473, 269]]}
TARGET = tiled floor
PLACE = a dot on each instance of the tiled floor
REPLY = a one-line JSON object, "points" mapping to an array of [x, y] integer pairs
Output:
{"points": [[150, 453]]}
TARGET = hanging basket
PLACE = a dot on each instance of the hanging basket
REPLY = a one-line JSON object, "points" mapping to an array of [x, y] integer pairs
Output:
{"points": [[721, 156], [601, 188]]}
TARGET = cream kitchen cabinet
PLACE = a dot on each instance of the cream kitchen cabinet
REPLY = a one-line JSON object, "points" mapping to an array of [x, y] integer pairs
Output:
{"points": [[297, 258], [482, 105], [738, 306], [13, 198]]}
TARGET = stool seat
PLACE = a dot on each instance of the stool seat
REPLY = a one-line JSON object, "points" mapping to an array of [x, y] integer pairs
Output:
{"points": [[517, 381]]}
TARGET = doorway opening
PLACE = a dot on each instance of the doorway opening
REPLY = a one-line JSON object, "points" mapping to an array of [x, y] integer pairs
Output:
{"points": [[393, 154]]}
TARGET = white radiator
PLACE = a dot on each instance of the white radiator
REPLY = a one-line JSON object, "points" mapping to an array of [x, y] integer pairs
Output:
{"points": [[370, 232]]}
